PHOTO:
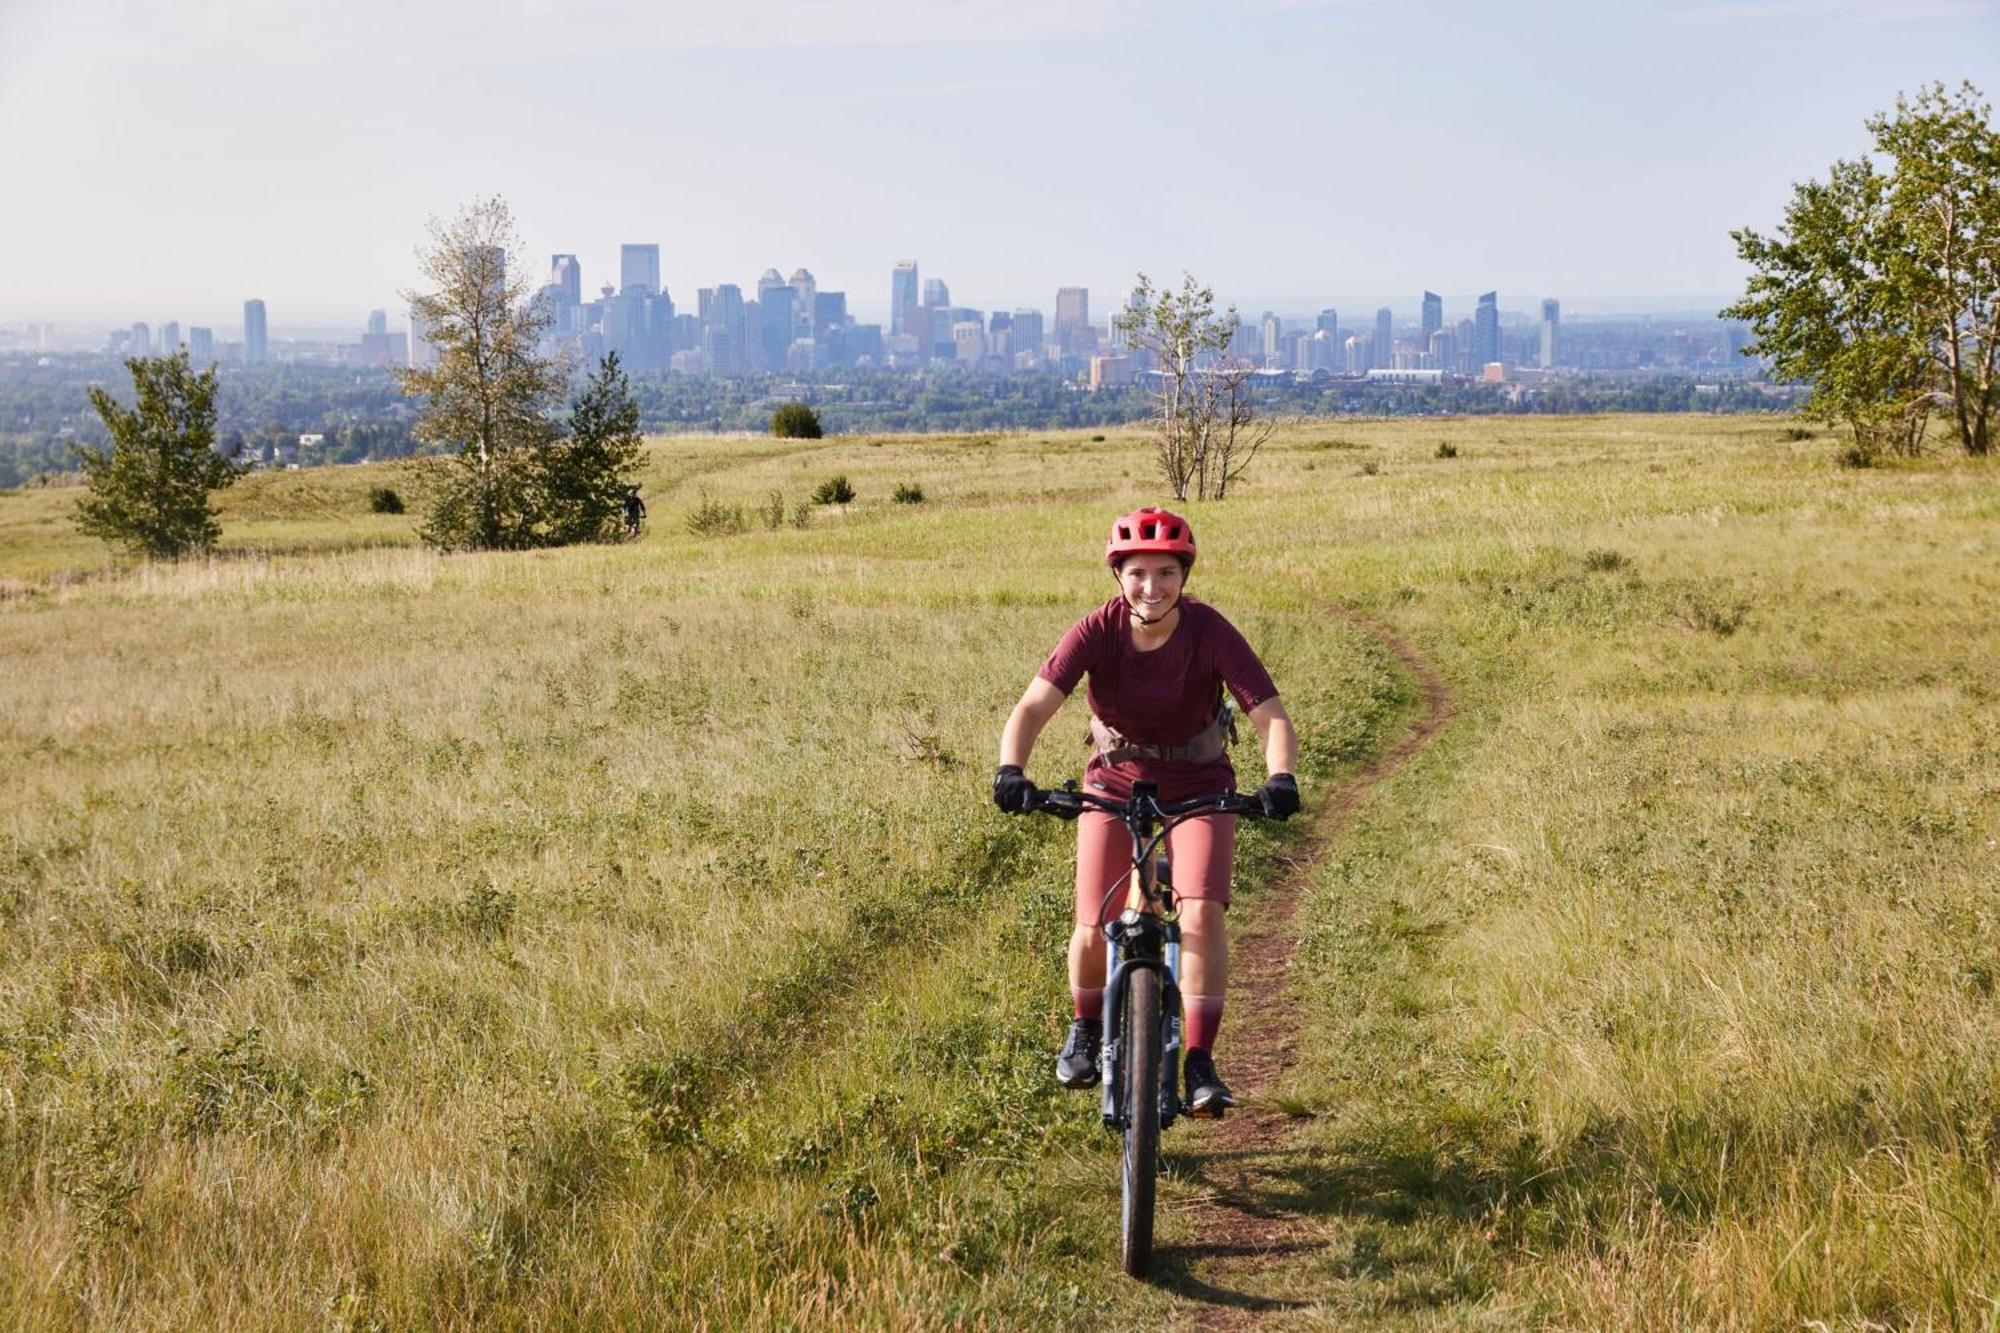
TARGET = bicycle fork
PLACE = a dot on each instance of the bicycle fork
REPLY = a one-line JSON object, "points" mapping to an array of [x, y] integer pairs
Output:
{"points": [[1138, 943]]}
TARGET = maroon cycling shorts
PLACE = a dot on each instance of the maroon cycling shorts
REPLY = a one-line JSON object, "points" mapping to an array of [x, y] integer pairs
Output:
{"points": [[1202, 849]]}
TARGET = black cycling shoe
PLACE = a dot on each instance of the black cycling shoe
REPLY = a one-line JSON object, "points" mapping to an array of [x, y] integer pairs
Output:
{"points": [[1076, 1067], [1207, 1095]]}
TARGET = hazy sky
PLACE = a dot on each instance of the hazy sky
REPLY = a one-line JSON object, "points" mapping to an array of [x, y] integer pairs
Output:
{"points": [[166, 161]]}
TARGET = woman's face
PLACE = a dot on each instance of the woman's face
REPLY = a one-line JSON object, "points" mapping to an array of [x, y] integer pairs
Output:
{"points": [[1151, 583]]}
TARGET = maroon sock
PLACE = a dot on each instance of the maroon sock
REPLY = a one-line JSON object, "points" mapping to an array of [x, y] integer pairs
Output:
{"points": [[1089, 1001], [1201, 1016]]}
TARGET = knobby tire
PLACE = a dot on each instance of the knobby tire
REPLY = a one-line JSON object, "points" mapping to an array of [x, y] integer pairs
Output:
{"points": [[1140, 1041]]}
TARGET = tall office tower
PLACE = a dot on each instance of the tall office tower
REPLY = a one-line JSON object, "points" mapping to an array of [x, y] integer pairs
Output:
{"points": [[256, 342], [566, 276], [1272, 341], [805, 307], [774, 323], [1440, 352], [1316, 350], [1551, 332], [1028, 336], [1000, 335], [1073, 332], [201, 346], [141, 341], [903, 298], [829, 310], [1383, 353], [378, 322], [968, 340], [1462, 348], [639, 266], [936, 293], [1486, 332], [1358, 346], [1329, 324], [170, 337], [1433, 317]]}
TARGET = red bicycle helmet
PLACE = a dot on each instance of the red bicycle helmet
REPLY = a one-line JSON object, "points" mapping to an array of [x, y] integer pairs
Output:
{"points": [[1149, 531]]}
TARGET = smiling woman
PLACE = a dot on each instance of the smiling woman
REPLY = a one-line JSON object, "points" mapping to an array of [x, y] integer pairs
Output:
{"points": [[1158, 665]]}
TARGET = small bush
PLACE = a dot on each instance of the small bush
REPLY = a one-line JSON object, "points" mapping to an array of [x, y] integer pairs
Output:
{"points": [[1097, 439], [1371, 468], [802, 515], [383, 500], [908, 493], [833, 491], [1603, 561], [1446, 449], [795, 421], [772, 511], [712, 518], [1855, 455], [1796, 433]]}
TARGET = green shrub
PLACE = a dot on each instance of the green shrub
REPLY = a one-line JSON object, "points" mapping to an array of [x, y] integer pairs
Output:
{"points": [[833, 491], [1097, 439], [1856, 455], [383, 500], [772, 511], [795, 421], [1603, 561], [1799, 433], [712, 518], [908, 493], [1446, 449]]}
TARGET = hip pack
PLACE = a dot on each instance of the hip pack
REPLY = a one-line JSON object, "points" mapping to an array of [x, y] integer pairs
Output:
{"points": [[1210, 744]]}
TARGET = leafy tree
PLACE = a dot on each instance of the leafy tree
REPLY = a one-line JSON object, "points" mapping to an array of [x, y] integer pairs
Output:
{"points": [[585, 478], [795, 421], [488, 394], [149, 491], [1945, 195], [1883, 287], [1204, 427]]}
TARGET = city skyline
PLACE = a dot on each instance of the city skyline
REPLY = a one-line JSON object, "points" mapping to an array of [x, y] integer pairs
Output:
{"points": [[1534, 155]]}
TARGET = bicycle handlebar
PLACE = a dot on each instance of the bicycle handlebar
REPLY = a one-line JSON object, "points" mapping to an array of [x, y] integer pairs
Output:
{"points": [[1068, 803]]}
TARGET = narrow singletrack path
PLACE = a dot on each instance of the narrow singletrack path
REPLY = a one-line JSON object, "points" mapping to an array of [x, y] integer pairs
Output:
{"points": [[1238, 1234]]}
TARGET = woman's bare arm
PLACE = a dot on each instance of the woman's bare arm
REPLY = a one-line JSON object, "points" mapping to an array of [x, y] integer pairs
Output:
{"points": [[1025, 723]]}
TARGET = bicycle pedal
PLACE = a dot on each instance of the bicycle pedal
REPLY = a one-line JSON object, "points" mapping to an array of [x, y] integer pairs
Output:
{"points": [[1213, 1111]]}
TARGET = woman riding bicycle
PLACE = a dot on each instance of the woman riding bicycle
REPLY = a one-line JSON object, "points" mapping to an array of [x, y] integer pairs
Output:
{"points": [[1158, 663]]}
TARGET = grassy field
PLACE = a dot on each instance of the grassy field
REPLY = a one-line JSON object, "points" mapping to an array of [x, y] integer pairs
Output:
{"points": [[622, 936]]}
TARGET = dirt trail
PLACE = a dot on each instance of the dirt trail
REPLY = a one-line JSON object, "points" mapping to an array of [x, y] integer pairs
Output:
{"points": [[1238, 1234]]}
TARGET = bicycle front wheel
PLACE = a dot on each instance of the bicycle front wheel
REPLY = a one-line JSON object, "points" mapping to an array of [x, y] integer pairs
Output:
{"points": [[1140, 1041]]}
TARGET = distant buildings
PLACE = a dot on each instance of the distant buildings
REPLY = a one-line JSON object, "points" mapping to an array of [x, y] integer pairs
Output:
{"points": [[903, 302], [139, 340], [201, 346], [566, 277], [256, 340], [1486, 331], [1073, 332], [1551, 333], [170, 337], [1433, 318], [639, 266], [1385, 337]]}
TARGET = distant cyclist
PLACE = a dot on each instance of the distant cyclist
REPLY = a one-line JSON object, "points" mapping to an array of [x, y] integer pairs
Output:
{"points": [[1158, 663], [635, 512]]}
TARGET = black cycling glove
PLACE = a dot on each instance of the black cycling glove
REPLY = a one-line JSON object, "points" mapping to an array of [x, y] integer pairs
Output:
{"points": [[1280, 796], [1012, 791]]}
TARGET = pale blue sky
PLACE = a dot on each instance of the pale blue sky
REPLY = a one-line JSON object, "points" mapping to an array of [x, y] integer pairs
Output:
{"points": [[164, 162]]}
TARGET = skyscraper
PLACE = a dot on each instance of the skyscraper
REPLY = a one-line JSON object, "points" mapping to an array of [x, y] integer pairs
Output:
{"points": [[1433, 317], [201, 346], [566, 276], [141, 343], [805, 303], [170, 337], [1027, 326], [1385, 338], [1551, 332], [1073, 331], [1329, 324], [1273, 330], [256, 343], [1486, 332], [378, 322], [639, 266], [903, 299], [936, 293]]}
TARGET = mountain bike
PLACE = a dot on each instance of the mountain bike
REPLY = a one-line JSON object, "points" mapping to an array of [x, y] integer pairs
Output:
{"points": [[1141, 1054]]}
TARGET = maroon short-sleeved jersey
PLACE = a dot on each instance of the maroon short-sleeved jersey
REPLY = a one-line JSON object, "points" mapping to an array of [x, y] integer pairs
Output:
{"points": [[1163, 697]]}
